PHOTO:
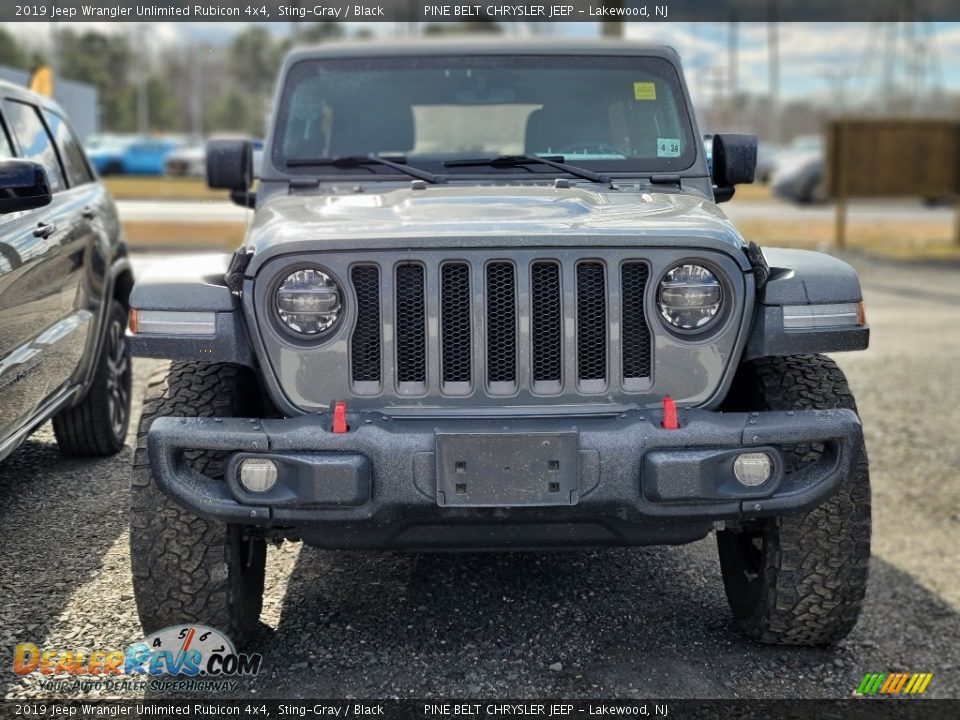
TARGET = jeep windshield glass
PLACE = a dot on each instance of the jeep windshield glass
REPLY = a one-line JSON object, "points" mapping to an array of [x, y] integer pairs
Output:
{"points": [[604, 114]]}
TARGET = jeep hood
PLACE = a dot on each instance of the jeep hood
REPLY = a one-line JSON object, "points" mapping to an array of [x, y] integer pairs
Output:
{"points": [[472, 215]]}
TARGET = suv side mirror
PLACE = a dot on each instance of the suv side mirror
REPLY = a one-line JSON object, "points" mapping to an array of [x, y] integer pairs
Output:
{"points": [[23, 186], [230, 164], [734, 163]]}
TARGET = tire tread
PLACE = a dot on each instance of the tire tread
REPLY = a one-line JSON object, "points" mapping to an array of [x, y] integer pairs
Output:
{"points": [[186, 568], [815, 577]]}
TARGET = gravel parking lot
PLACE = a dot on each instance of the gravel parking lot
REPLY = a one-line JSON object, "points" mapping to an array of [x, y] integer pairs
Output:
{"points": [[650, 622]]}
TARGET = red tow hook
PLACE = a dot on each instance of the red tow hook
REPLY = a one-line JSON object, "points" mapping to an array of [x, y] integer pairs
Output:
{"points": [[670, 421], [340, 417]]}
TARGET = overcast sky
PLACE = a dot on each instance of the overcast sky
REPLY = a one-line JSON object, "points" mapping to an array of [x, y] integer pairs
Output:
{"points": [[818, 60]]}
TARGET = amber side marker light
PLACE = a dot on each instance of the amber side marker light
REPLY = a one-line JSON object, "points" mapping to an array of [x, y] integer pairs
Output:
{"points": [[173, 322], [829, 315], [861, 314]]}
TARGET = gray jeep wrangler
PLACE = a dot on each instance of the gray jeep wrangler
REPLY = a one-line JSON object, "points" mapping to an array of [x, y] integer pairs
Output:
{"points": [[487, 301]]}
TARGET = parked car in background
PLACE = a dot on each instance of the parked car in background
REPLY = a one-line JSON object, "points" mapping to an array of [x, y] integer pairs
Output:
{"points": [[768, 155], [64, 285], [798, 172], [133, 156], [187, 161], [105, 153], [191, 160]]}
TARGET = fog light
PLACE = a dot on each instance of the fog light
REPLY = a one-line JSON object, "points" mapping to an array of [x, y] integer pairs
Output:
{"points": [[257, 475], [752, 469]]}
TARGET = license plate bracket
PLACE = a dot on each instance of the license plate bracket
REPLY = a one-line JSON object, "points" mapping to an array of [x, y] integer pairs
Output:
{"points": [[507, 469]]}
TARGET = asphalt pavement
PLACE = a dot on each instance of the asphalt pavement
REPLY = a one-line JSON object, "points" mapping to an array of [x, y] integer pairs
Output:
{"points": [[649, 622]]}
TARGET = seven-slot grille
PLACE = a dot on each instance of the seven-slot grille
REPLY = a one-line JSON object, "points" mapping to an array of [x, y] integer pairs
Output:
{"points": [[501, 325]]}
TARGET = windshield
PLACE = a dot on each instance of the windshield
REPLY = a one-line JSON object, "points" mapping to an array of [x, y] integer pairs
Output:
{"points": [[611, 114]]}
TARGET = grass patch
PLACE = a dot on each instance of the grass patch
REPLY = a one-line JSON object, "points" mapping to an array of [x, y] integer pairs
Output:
{"points": [[147, 234], [130, 187], [753, 192], [902, 240]]}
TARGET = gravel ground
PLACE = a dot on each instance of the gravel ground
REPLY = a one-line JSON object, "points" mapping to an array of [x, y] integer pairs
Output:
{"points": [[649, 622]]}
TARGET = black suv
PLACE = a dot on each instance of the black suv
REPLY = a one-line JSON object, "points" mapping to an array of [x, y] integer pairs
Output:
{"points": [[64, 284]]}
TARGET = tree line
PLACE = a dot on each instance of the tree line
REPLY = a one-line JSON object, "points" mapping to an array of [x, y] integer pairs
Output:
{"points": [[190, 87]]}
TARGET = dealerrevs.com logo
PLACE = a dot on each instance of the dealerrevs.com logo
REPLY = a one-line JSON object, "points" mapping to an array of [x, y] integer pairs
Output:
{"points": [[900, 683], [186, 657]]}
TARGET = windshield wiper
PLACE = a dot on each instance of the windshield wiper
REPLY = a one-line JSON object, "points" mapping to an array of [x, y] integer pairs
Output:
{"points": [[348, 161], [508, 161]]}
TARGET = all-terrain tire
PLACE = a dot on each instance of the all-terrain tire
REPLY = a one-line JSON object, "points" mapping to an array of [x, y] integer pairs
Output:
{"points": [[97, 426], [799, 579], [187, 569]]}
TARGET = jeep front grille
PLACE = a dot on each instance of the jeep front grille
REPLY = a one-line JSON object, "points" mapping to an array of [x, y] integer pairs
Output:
{"points": [[455, 327], [366, 340], [411, 326], [540, 326], [546, 331], [591, 326], [636, 334], [501, 328]]}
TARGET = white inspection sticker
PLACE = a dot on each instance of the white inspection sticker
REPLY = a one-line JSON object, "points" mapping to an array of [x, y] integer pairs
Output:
{"points": [[668, 147]]}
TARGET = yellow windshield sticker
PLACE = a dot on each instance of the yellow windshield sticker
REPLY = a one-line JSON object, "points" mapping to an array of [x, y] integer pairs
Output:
{"points": [[644, 91]]}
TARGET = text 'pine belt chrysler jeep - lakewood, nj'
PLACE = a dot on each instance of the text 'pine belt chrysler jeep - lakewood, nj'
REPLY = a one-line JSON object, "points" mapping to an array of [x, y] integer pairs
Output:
{"points": [[487, 301]]}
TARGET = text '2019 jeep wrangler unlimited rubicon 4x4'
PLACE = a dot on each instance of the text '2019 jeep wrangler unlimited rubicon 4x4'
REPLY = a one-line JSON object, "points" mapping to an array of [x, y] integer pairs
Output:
{"points": [[487, 301]]}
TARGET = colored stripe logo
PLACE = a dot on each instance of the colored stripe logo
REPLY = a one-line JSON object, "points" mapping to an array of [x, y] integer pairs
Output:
{"points": [[894, 683]]}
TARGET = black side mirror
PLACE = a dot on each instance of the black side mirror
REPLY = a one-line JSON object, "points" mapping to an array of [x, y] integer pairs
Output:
{"points": [[734, 163], [23, 186], [230, 164]]}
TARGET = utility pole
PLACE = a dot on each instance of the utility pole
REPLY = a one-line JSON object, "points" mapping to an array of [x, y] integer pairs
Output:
{"points": [[773, 62], [143, 108], [732, 61], [837, 80], [54, 52], [613, 28], [196, 94]]}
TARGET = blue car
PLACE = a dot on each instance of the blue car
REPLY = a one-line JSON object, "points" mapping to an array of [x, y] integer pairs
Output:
{"points": [[140, 156]]}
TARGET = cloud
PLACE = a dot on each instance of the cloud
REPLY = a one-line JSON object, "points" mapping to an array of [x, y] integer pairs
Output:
{"points": [[810, 53]]}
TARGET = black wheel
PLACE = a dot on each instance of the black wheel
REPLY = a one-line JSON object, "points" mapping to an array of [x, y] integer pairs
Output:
{"points": [[187, 569], [799, 579], [97, 426]]}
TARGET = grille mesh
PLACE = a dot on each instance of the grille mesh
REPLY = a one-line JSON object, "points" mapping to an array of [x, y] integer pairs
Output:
{"points": [[455, 322], [365, 343], [591, 322], [546, 321], [501, 323], [636, 334], [565, 340], [411, 325]]}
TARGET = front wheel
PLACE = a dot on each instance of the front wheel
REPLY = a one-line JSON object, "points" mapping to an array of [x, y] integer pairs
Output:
{"points": [[187, 569], [799, 579]]}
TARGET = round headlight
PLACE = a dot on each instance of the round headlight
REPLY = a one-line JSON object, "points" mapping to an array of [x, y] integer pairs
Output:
{"points": [[689, 297], [308, 301]]}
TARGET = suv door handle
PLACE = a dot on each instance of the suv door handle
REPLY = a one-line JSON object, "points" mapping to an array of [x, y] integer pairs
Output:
{"points": [[89, 212], [44, 229]]}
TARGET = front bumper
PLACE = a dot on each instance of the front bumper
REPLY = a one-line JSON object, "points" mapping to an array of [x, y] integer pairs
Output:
{"points": [[377, 484]]}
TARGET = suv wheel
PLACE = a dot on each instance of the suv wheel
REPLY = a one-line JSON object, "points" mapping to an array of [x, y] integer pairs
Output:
{"points": [[187, 569], [98, 425], [799, 579]]}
